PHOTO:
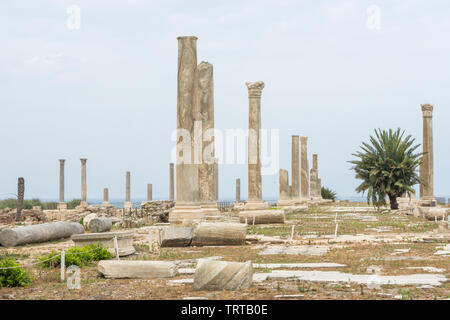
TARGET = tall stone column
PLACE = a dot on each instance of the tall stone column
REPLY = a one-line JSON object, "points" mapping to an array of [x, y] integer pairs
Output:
{"points": [[304, 169], [204, 114], [187, 207], [83, 184], [61, 204], [254, 147], [127, 205], [105, 197], [171, 183], [295, 186], [216, 179], [149, 192], [238, 190], [427, 170], [315, 183], [284, 198]]}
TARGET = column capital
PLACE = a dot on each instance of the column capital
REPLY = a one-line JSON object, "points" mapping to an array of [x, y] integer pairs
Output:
{"points": [[62, 161], [427, 110], [83, 160], [255, 89], [187, 38]]}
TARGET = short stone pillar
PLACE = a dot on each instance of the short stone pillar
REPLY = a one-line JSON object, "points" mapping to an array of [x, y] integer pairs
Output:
{"points": [[149, 192], [105, 197], [295, 156], [426, 169], [61, 204], [238, 190], [83, 202], [171, 182], [284, 198], [315, 182], [304, 169], [127, 205]]}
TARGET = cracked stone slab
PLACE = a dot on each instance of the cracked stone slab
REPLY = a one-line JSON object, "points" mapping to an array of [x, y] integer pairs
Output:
{"points": [[296, 250], [297, 265], [335, 276]]}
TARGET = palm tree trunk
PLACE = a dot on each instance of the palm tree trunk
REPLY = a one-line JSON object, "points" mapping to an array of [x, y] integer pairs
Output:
{"points": [[393, 201]]}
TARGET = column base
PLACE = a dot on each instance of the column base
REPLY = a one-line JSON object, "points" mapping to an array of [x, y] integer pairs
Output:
{"points": [[82, 205], [211, 211], [61, 206], [186, 214], [127, 205], [256, 205], [427, 202]]}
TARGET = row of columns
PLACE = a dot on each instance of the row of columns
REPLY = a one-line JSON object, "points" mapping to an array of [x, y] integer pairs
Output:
{"points": [[63, 206]]}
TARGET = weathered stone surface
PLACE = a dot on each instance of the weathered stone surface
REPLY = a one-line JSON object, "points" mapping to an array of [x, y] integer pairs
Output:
{"points": [[426, 169], [106, 239], [219, 234], [83, 184], [254, 141], [433, 213], [61, 204], [295, 170], [296, 250], [129, 269], [223, 275], [284, 198], [101, 224], [177, 237], [88, 218], [262, 216], [304, 169], [39, 233]]}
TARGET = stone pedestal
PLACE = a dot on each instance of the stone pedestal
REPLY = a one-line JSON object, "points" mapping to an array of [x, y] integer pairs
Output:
{"points": [[62, 206]]}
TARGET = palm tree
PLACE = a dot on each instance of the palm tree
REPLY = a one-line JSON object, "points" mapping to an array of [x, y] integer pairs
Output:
{"points": [[387, 167]]}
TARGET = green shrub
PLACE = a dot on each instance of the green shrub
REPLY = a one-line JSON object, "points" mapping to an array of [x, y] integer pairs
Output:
{"points": [[79, 256], [73, 203], [15, 277], [327, 193], [27, 204]]}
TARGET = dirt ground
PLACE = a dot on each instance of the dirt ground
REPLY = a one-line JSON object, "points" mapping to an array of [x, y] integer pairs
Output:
{"points": [[366, 241]]}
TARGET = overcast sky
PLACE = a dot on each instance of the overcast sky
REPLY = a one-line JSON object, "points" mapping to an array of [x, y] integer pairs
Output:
{"points": [[107, 91]]}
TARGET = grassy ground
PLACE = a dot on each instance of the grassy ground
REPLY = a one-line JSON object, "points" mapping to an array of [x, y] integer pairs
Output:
{"points": [[357, 256]]}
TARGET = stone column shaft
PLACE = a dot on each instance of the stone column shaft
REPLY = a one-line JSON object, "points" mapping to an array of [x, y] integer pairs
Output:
{"points": [[304, 168], [171, 183], [128, 187], [284, 196], [149, 192], [204, 114], [83, 183], [238, 190], [254, 141], [105, 195], [295, 186], [427, 170], [187, 169]]}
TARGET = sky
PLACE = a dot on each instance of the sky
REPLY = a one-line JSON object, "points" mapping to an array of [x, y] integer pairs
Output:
{"points": [[104, 87]]}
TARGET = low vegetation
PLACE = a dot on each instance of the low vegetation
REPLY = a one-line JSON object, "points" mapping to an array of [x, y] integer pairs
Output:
{"points": [[29, 204], [12, 274], [327, 193], [79, 256]]}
